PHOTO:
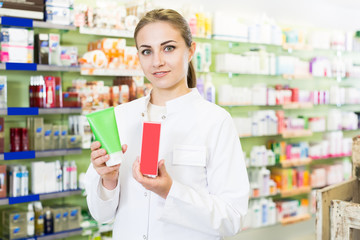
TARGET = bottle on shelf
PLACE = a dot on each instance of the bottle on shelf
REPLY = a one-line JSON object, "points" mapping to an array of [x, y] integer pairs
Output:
{"points": [[30, 220], [209, 89]]}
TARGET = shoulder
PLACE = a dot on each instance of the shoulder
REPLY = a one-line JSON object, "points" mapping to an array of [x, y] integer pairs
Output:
{"points": [[134, 105], [212, 111]]}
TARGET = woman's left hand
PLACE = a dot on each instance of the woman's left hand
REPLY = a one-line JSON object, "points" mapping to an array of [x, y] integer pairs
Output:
{"points": [[160, 185]]}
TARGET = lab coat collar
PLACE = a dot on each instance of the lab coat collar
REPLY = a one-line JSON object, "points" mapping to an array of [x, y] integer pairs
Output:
{"points": [[178, 103]]}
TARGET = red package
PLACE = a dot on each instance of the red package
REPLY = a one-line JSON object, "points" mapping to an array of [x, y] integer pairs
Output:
{"points": [[50, 91], [150, 149]]}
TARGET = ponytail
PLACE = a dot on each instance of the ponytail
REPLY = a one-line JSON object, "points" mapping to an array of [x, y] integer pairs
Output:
{"points": [[191, 76]]}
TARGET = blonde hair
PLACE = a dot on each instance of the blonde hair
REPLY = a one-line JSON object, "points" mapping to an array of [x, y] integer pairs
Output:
{"points": [[178, 22]]}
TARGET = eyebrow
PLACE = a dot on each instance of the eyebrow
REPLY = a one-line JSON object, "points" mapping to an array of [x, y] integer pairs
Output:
{"points": [[161, 44]]}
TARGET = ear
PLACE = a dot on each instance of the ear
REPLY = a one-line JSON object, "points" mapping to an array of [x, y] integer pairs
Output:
{"points": [[192, 50]]}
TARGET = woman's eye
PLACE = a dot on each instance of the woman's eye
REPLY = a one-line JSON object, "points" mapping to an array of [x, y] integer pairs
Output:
{"points": [[169, 48], [146, 52]]}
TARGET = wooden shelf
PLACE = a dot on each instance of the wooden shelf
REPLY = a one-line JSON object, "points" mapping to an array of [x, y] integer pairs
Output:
{"points": [[296, 219], [297, 76], [295, 162], [296, 191], [297, 133], [297, 105]]}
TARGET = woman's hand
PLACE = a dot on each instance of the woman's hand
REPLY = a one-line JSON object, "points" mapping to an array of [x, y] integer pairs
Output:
{"points": [[109, 175], [160, 185]]}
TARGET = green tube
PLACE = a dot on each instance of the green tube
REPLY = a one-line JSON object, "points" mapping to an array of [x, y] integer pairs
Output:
{"points": [[103, 125]]}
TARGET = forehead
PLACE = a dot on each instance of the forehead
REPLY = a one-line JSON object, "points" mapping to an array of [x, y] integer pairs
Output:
{"points": [[158, 32]]}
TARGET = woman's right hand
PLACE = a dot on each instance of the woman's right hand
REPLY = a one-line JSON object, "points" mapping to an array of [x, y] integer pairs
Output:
{"points": [[109, 175]]}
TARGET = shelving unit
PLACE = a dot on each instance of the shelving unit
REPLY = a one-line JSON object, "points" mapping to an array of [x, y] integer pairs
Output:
{"points": [[25, 111], [295, 192], [39, 154], [291, 220], [17, 68], [58, 235], [38, 197], [110, 72], [37, 67]]}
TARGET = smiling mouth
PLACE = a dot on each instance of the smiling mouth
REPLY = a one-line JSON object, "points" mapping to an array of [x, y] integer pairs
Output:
{"points": [[160, 74]]}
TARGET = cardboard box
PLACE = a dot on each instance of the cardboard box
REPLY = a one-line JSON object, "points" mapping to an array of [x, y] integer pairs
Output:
{"points": [[14, 224], [38, 134], [74, 219], [54, 49], [2, 135], [73, 141], [48, 143], [41, 51], [3, 182]]}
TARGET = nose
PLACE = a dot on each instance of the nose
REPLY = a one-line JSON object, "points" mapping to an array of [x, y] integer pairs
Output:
{"points": [[158, 59]]}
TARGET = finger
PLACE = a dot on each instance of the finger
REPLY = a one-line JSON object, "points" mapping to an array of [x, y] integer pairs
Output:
{"points": [[101, 161], [161, 167], [95, 145], [136, 170], [106, 170], [124, 148], [98, 153]]}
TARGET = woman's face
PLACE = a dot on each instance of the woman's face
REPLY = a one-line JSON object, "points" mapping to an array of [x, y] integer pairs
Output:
{"points": [[164, 56]]}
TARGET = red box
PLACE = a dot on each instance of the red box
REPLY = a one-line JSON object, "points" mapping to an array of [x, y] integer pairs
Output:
{"points": [[58, 93], [150, 149], [2, 181], [71, 99], [50, 91]]}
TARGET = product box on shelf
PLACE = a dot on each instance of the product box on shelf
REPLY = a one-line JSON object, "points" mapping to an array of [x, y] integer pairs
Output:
{"points": [[48, 141], [36, 130], [17, 45], [56, 134], [54, 49], [3, 92], [73, 141], [50, 91], [58, 93], [14, 224], [41, 52], [71, 99], [59, 15], [3, 181], [23, 9], [2, 135], [57, 213], [63, 136], [68, 56]]}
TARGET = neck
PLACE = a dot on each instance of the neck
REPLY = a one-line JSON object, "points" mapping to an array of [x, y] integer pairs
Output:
{"points": [[161, 96]]}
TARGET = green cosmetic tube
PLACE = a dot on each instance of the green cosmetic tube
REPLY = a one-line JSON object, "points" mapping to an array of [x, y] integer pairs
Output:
{"points": [[104, 128]]}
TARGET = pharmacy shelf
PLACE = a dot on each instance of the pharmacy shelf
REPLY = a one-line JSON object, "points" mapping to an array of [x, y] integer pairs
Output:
{"points": [[297, 133], [295, 219], [37, 67], [110, 72], [38, 154], [294, 192], [21, 111], [295, 162], [266, 196], [29, 23], [283, 106], [330, 157], [38, 197], [106, 32]]}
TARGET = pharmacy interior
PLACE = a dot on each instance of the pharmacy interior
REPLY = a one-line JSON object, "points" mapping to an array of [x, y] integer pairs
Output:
{"points": [[286, 72]]}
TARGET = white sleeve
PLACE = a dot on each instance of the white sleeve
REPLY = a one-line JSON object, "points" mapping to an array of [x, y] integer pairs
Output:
{"points": [[220, 209], [102, 207]]}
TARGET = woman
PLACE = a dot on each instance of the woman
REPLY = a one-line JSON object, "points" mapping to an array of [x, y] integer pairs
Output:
{"points": [[201, 191]]}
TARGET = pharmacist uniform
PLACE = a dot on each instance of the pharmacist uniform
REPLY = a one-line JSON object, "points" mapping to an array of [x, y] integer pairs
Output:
{"points": [[209, 195]]}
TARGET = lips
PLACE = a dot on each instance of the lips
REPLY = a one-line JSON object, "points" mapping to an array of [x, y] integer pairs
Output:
{"points": [[160, 74]]}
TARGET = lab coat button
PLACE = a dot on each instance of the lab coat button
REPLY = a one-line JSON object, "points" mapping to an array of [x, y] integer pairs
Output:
{"points": [[144, 236], [163, 117], [145, 194], [143, 114]]}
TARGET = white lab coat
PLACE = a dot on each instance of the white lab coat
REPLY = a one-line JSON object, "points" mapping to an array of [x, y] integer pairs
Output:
{"points": [[209, 195]]}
